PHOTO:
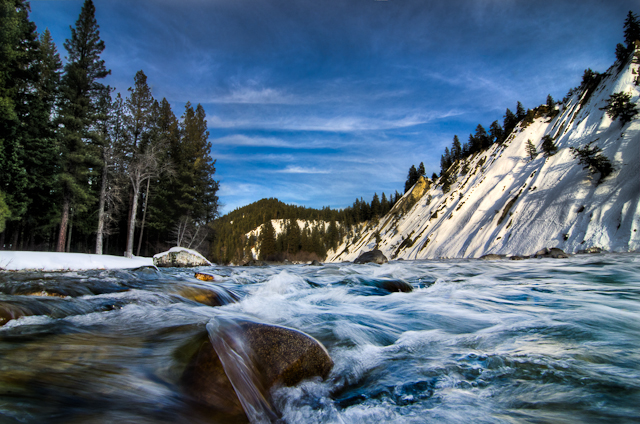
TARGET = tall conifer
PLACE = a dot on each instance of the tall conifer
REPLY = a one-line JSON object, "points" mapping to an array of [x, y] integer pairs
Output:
{"points": [[81, 91]]}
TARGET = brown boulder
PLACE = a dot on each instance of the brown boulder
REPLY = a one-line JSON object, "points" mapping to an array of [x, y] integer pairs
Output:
{"points": [[275, 355]]}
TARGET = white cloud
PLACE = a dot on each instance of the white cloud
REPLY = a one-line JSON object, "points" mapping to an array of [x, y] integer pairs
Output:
{"points": [[293, 169]]}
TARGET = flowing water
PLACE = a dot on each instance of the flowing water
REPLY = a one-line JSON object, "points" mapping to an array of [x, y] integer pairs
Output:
{"points": [[534, 341]]}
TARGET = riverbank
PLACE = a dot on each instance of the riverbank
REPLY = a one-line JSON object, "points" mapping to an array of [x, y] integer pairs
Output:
{"points": [[56, 261]]}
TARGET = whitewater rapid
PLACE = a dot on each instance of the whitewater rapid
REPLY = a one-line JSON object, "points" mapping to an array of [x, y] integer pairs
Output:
{"points": [[540, 340]]}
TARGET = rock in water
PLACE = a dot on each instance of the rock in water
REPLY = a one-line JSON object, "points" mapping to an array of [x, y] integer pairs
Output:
{"points": [[277, 355], [180, 257], [395, 286], [375, 256], [491, 257], [204, 277]]}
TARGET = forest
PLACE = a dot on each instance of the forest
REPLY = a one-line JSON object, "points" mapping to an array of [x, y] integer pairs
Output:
{"points": [[86, 169]]}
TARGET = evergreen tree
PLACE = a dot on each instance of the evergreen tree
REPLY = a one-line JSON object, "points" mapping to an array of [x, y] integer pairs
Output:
{"points": [[421, 171], [520, 112], [631, 30], [593, 160], [496, 133], [376, 209], [18, 76], [80, 94], [531, 150], [619, 106], [510, 122], [551, 104], [384, 204], [456, 148], [548, 147], [412, 178], [267, 241]]}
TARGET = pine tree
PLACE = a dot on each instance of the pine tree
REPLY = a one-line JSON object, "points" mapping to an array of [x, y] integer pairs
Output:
{"points": [[421, 171], [456, 148], [496, 133], [376, 210], [619, 106], [412, 178], [531, 150], [80, 94], [551, 104], [267, 241], [510, 122], [520, 112], [18, 76], [631, 30], [593, 160], [548, 147]]}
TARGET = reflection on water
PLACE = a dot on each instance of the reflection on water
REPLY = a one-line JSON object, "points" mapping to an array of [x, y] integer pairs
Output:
{"points": [[541, 341]]}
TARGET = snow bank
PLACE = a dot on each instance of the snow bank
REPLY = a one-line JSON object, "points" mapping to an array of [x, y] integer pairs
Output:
{"points": [[54, 261]]}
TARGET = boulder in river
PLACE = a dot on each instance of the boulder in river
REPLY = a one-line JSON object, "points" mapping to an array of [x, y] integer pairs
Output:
{"points": [[209, 296], [276, 355], [395, 286], [375, 256], [554, 252], [180, 257], [492, 257]]}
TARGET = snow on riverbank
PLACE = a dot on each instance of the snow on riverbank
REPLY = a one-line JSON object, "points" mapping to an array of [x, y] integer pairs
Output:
{"points": [[54, 261]]}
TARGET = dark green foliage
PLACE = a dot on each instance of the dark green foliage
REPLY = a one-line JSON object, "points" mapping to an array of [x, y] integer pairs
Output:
{"points": [[531, 150], [510, 122], [631, 30], [81, 91], [622, 53], [267, 241], [412, 178], [590, 79], [456, 148], [520, 112], [548, 147], [496, 133], [421, 170], [593, 160], [551, 104], [619, 106], [434, 177]]}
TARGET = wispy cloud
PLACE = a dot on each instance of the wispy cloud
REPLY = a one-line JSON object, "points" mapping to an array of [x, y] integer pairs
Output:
{"points": [[293, 169]]}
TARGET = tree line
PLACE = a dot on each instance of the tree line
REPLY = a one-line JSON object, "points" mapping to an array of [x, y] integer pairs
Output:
{"points": [[83, 168]]}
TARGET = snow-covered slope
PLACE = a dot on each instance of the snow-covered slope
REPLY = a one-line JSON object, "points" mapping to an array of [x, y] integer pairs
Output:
{"points": [[279, 225], [509, 204]]}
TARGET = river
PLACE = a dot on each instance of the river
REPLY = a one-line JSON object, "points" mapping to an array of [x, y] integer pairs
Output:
{"points": [[532, 341]]}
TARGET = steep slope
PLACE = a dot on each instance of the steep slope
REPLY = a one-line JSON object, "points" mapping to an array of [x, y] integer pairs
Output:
{"points": [[509, 204]]}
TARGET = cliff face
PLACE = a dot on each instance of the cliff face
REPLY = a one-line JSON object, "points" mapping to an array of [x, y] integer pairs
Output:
{"points": [[501, 201]]}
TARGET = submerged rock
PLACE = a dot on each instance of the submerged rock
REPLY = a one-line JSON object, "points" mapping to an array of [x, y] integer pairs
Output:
{"points": [[315, 262], [491, 257], [208, 296], [204, 277], [395, 286], [554, 252], [255, 262], [590, 250], [375, 256], [277, 356], [518, 258], [180, 257]]}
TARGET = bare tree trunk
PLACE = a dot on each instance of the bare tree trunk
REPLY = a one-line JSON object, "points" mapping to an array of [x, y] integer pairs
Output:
{"points": [[64, 221], [132, 222], [70, 231], [144, 216], [103, 198]]}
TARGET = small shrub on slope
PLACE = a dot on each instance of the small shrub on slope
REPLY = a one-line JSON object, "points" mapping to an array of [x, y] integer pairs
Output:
{"points": [[619, 106], [593, 160]]}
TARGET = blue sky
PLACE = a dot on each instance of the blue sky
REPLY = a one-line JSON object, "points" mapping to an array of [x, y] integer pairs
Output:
{"points": [[319, 102]]}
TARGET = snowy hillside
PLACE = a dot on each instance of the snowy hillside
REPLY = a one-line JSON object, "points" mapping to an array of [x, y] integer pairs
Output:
{"points": [[279, 225], [511, 205]]}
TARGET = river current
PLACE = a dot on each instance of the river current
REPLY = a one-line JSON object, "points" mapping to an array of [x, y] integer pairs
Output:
{"points": [[532, 341]]}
